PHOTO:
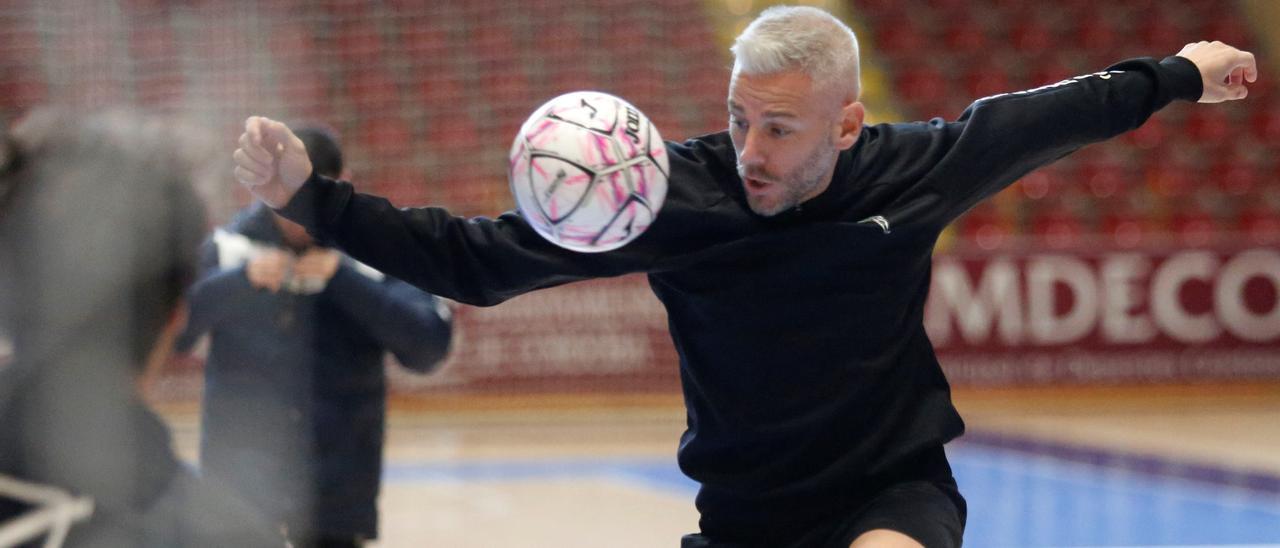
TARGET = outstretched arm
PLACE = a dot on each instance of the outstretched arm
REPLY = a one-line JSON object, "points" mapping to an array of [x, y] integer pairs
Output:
{"points": [[1001, 138], [478, 261]]}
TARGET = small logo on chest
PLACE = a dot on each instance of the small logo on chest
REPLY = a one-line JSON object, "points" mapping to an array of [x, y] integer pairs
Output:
{"points": [[879, 221]]}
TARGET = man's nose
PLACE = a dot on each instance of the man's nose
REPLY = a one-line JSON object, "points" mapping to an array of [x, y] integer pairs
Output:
{"points": [[752, 154]]}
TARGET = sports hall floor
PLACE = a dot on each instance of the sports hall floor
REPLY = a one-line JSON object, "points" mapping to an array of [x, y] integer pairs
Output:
{"points": [[1191, 465]]}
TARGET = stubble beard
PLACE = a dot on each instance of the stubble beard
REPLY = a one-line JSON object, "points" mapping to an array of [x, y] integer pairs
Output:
{"points": [[800, 183]]}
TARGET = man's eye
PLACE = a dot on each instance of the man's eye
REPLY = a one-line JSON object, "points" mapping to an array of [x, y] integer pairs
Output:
{"points": [[780, 132], [740, 124]]}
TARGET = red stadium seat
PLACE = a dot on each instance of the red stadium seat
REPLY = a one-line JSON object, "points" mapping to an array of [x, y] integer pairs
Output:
{"points": [[452, 135], [1050, 69], [163, 88], [1208, 125], [1057, 226], [1046, 182], [21, 90], [359, 44], [949, 6], [1194, 225], [372, 88], [422, 39], [404, 186], [1032, 36], [1227, 27], [984, 227], [1106, 181], [508, 89], [442, 90], [1171, 179], [1150, 135], [1158, 33], [494, 40], [901, 37], [1261, 223], [289, 41], [922, 84], [986, 80], [385, 138], [1097, 33], [875, 8], [151, 44], [963, 35], [1265, 123], [1235, 176], [1128, 226], [306, 89]]}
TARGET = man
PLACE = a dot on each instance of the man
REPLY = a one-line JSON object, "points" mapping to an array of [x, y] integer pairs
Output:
{"points": [[295, 391], [792, 255], [99, 227]]}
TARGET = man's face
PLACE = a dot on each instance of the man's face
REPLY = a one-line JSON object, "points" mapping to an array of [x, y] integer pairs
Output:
{"points": [[784, 132]]}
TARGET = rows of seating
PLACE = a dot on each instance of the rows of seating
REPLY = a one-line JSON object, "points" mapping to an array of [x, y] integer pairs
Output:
{"points": [[426, 94], [1191, 174]]}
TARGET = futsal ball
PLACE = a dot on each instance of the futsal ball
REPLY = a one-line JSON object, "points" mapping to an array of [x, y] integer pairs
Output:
{"points": [[589, 171]]}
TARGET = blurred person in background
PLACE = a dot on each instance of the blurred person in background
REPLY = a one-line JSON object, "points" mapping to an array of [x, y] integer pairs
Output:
{"points": [[99, 227], [793, 257], [295, 389]]}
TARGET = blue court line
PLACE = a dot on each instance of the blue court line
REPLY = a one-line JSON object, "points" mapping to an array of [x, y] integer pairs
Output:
{"points": [[1016, 499], [1022, 500]]}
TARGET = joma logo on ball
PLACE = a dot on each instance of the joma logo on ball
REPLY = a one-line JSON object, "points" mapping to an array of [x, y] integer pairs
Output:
{"points": [[633, 125]]}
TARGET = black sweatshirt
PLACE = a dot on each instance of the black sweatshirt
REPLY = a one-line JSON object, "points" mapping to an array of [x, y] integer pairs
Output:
{"points": [[805, 366]]}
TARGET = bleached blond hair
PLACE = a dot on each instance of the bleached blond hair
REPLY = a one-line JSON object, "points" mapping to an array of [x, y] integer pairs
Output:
{"points": [[803, 38]]}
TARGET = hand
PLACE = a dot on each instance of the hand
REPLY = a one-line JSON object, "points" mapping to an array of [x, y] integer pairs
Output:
{"points": [[271, 161], [1223, 69], [316, 267], [268, 270]]}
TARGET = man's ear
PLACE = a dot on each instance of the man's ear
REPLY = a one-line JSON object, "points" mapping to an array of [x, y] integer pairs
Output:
{"points": [[851, 116]]}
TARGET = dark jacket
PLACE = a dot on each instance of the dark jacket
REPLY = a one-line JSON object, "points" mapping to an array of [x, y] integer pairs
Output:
{"points": [[295, 390], [78, 425], [806, 370]]}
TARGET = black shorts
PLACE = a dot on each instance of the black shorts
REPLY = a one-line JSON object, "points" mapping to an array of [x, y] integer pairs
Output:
{"points": [[931, 511]]}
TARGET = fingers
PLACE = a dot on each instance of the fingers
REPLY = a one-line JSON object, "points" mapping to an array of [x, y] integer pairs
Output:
{"points": [[255, 151], [279, 135], [253, 129], [255, 163], [244, 159], [249, 178], [1249, 66]]}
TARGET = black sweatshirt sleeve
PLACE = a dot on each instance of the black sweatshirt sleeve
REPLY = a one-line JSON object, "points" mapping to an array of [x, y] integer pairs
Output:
{"points": [[477, 261], [483, 261], [1001, 138]]}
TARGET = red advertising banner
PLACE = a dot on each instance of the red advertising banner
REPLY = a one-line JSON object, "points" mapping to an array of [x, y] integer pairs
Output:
{"points": [[1101, 315], [996, 318], [600, 335]]}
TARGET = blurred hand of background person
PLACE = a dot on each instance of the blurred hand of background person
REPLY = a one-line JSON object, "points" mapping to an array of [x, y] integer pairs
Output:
{"points": [[313, 270], [317, 264], [269, 269]]}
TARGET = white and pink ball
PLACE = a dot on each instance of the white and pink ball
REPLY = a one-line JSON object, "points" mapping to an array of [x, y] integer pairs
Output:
{"points": [[589, 171]]}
